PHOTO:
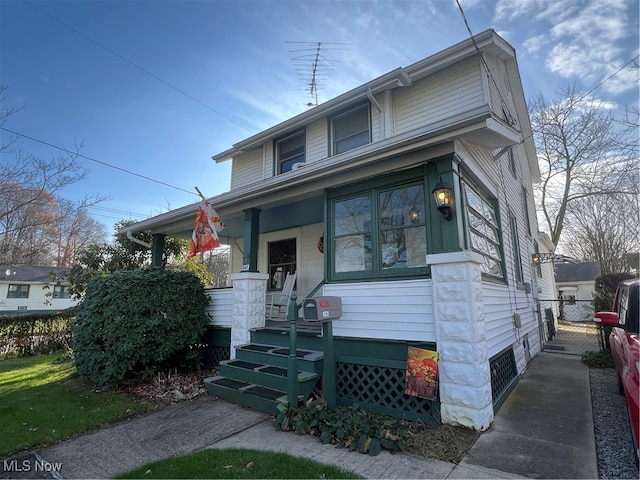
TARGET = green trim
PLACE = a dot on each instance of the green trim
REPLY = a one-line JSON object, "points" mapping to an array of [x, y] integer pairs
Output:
{"points": [[371, 189], [495, 204], [251, 239], [217, 336], [443, 235], [157, 247]]}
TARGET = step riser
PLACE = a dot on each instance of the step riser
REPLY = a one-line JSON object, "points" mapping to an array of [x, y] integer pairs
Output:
{"points": [[257, 377], [311, 343], [278, 360], [237, 397]]}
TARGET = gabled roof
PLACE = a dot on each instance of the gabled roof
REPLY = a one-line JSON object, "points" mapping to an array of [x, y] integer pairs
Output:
{"points": [[577, 272], [486, 41], [28, 273]]}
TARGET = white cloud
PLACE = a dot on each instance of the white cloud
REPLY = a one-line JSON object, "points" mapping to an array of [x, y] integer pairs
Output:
{"points": [[586, 40]]}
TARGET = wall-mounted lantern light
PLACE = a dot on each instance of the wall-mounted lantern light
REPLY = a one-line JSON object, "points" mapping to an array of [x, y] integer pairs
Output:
{"points": [[443, 194]]}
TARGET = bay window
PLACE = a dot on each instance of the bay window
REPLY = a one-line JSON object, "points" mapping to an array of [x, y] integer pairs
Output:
{"points": [[380, 232]]}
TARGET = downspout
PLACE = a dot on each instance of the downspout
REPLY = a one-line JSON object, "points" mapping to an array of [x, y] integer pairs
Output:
{"points": [[383, 123], [135, 240]]}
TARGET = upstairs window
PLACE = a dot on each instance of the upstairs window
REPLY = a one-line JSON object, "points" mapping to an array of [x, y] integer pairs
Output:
{"points": [[289, 151], [18, 291], [350, 130]]}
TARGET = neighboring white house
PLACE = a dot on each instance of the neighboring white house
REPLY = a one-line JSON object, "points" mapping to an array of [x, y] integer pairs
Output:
{"points": [[23, 290], [343, 194], [575, 284]]}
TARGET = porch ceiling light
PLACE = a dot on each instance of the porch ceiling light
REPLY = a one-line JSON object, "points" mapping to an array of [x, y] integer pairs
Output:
{"points": [[443, 195]]}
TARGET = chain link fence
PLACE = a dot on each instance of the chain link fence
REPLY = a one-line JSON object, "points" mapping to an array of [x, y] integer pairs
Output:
{"points": [[574, 332]]}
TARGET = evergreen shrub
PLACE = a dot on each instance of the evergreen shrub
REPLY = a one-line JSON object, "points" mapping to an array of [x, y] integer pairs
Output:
{"points": [[135, 322]]}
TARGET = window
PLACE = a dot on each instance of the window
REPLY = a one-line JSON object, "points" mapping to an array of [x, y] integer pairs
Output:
{"points": [[525, 209], [350, 130], [512, 162], [282, 260], [538, 265], [515, 249], [18, 291], [289, 151], [379, 233], [60, 291], [484, 233]]}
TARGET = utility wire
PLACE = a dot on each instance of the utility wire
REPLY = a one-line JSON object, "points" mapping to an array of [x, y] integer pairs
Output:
{"points": [[96, 160], [133, 64]]}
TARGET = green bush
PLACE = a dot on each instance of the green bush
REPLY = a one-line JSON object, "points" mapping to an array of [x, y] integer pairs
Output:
{"points": [[605, 290], [134, 322], [601, 359], [34, 333], [353, 428]]}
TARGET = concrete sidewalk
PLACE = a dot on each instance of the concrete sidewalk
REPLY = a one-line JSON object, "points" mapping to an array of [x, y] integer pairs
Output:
{"points": [[543, 430]]}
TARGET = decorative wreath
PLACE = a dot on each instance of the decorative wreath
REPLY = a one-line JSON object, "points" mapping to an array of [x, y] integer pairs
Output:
{"points": [[321, 244]]}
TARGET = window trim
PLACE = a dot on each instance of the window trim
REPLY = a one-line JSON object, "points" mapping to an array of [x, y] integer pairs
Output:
{"points": [[343, 113], [372, 189], [18, 290], [285, 138], [516, 252], [466, 182]]}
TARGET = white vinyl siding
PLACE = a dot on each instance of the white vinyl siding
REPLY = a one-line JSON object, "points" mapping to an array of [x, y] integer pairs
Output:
{"points": [[220, 306], [401, 310], [36, 301], [246, 169], [316, 141], [446, 94], [499, 303], [501, 100]]}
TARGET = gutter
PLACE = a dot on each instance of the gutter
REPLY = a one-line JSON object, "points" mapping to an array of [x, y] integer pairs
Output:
{"points": [[135, 240]]}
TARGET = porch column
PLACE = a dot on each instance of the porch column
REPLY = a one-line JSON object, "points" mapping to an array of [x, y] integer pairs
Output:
{"points": [[249, 298], [465, 379], [157, 247], [251, 236]]}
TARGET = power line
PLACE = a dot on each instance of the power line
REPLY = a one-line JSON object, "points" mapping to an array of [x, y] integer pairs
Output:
{"points": [[133, 64], [96, 160]]}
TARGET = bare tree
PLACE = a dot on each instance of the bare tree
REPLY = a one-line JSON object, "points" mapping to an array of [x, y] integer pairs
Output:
{"points": [[605, 228], [582, 153], [76, 231], [30, 205]]}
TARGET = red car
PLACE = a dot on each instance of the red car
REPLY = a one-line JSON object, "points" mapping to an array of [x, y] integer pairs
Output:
{"points": [[625, 347]]}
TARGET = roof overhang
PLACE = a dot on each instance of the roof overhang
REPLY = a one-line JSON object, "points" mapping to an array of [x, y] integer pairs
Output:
{"points": [[487, 41]]}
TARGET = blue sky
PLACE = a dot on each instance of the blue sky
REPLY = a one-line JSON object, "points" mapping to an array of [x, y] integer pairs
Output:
{"points": [[159, 87]]}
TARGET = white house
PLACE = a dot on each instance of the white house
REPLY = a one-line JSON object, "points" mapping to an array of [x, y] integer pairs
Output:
{"points": [[575, 284], [29, 289], [343, 194]]}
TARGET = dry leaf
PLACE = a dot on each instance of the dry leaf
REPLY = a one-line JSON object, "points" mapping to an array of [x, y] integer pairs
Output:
{"points": [[249, 465]]}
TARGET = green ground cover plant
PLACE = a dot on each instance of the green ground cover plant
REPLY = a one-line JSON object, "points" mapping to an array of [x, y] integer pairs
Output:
{"points": [[42, 402], [238, 463]]}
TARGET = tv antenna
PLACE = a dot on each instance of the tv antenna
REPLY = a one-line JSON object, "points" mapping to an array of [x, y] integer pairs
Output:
{"points": [[313, 66]]}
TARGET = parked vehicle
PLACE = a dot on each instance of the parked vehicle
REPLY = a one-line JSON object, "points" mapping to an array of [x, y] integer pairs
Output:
{"points": [[625, 347]]}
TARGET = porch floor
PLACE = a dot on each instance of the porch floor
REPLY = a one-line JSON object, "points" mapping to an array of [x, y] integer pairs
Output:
{"points": [[310, 329]]}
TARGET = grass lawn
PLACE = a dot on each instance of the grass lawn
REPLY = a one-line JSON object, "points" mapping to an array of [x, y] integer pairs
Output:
{"points": [[41, 402], [238, 463]]}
